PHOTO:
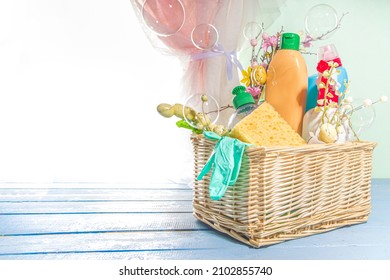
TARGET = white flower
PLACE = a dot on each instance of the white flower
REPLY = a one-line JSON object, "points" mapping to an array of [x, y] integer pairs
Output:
{"points": [[367, 102], [349, 99], [347, 107], [383, 98], [326, 74], [321, 85]]}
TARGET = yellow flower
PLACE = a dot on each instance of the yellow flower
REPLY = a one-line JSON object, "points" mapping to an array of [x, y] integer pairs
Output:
{"points": [[246, 76], [259, 75]]}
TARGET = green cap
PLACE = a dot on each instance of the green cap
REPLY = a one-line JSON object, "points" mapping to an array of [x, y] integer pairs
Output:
{"points": [[290, 41], [241, 97]]}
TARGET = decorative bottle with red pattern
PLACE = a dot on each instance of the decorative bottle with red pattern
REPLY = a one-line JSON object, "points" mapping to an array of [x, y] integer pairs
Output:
{"points": [[316, 96], [325, 55]]}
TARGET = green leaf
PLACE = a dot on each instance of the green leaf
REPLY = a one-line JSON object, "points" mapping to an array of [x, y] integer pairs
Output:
{"points": [[184, 124]]}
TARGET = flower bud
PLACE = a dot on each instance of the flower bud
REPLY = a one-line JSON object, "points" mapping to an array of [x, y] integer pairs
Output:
{"points": [[253, 42], [349, 99], [204, 98], [165, 110]]}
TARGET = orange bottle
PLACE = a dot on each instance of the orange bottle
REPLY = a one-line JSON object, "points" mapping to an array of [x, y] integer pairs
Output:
{"points": [[286, 85]]}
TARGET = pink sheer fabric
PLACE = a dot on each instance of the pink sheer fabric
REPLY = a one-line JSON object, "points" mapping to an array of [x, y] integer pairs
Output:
{"points": [[180, 43], [207, 75]]}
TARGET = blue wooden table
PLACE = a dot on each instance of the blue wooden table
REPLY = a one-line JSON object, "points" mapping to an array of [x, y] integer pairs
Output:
{"points": [[94, 222]]}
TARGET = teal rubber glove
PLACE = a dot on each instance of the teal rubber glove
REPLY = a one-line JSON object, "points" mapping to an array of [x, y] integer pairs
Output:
{"points": [[226, 163]]}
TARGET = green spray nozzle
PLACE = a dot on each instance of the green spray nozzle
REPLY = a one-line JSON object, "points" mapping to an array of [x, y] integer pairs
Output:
{"points": [[241, 97]]}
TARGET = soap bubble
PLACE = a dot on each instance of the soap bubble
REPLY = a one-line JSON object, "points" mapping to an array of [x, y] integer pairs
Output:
{"points": [[164, 18], [204, 36], [252, 30], [361, 119], [321, 19], [202, 104]]}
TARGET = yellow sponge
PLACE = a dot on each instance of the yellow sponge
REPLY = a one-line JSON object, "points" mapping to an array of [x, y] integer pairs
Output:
{"points": [[265, 127]]}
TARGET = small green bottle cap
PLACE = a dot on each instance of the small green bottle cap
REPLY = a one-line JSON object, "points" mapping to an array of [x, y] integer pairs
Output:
{"points": [[242, 97], [290, 41]]}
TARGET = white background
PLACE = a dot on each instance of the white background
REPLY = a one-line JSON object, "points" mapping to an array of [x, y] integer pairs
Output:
{"points": [[80, 82], [79, 86]]}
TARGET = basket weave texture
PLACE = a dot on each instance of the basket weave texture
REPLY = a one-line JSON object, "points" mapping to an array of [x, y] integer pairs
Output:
{"points": [[285, 193]]}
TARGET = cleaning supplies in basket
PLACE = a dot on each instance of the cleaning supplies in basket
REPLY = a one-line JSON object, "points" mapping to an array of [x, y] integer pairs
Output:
{"points": [[326, 121], [266, 127], [325, 55], [286, 85], [244, 104], [225, 162]]}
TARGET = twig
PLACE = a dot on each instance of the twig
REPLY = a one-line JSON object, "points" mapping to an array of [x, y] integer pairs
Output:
{"points": [[309, 53], [221, 109], [321, 37]]}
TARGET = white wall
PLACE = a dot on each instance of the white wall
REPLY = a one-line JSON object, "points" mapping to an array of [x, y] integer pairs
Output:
{"points": [[73, 73]]}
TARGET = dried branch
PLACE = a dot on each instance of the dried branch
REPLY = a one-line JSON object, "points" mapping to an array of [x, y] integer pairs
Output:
{"points": [[322, 37]]}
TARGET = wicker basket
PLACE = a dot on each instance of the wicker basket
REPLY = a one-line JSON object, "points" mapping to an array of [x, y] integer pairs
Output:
{"points": [[285, 193]]}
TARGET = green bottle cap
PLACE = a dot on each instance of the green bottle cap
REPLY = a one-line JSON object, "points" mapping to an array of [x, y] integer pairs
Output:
{"points": [[290, 41], [242, 97]]}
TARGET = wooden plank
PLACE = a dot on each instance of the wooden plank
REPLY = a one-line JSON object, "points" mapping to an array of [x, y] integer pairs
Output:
{"points": [[61, 207], [114, 224], [117, 241], [381, 181], [180, 192], [363, 235], [96, 185], [76, 223], [194, 245], [42, 195]]}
